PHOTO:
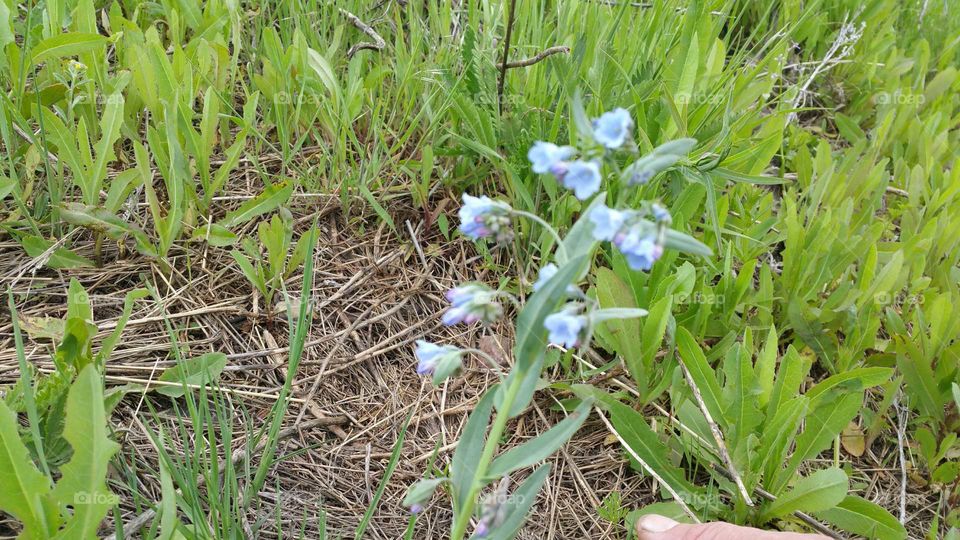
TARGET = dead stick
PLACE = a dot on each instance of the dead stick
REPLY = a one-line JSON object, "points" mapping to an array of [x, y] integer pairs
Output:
{"points": [[378, 42], [718, 437]]}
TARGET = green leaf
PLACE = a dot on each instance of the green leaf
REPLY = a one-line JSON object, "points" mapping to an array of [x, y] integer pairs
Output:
{"points": [[685, 243], [24, 487], [700, 371], [78, 302], [469, 449], [60, 258], [198, 371], [542, 446], [422, 491], [860, 379], [519, 503], [110, 122], [778, 434], [636, 433], [69, 44], [820, 491], [823, 424], [83, 485], [272, 198], [859, 516]]}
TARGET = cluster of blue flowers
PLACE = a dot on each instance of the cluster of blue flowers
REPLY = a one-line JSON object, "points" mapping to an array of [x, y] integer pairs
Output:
{"points": [[611, 131], [638, 238]]}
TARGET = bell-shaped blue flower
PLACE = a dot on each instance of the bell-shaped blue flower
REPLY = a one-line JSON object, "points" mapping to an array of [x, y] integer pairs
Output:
{"points": [[607, 222], [640, 248], [544, 275], [565, 327], [547, 157], [481, 217], [428, 354], [660, 213], [583, 177], [613, 128]]}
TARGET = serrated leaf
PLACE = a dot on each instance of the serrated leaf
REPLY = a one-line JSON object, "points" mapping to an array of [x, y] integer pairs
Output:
{"points": [[82, 484]]}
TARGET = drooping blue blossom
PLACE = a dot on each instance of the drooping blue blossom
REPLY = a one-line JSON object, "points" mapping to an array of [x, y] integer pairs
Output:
{"points": [[481, 217], [583, 177], [428, 354], [548, 158], [546, 272], [471, 303], [482, 530], [565, 326], [613, 128], [607, 222], [640, 248], [660, 213], [416, 509]]}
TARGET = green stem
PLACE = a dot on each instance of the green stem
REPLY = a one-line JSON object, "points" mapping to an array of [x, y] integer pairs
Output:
{"points": [[499, 423], [553, 232]]}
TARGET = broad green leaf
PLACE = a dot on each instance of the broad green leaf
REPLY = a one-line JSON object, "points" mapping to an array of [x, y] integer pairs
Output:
{"points": [[99, 219], [685, 243], [613, 292], [469, 449], [700, 371], [579, 239], [214, 234], [36, 246], [822, 425], [820, 491], [519, 503], [778, 434], [859, 379], [543, 445], [636, 433], [532, 335], [272, 198], [859, 516], [82, 484], [69, 44], [766, 368], [78, 302], [920, 379], [24, 487], [198, 371], [106, 348], [110, 122]]}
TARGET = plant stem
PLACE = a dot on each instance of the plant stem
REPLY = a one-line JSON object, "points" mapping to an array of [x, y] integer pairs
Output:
{"points": [[553, 232], [499, 423], [506, 55]]}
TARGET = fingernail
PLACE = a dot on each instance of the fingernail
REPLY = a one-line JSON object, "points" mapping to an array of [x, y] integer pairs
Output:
{"points": [[655, 523]]}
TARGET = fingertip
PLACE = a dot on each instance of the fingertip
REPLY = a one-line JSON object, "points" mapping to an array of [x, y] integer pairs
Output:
{"points": [[654, 523]]}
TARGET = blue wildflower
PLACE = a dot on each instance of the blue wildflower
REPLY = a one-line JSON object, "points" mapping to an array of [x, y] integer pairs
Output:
{"points": [[607, 222], [565, 326], [416, 509], [612, 128], [583, 177], [471, 303], [481, 217], [544, 275], [428, 354], [660, 213], [640, 247], [548, 158]]}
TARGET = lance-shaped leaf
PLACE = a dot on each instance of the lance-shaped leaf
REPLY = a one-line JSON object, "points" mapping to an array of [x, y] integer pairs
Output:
{"points": [[24, 487], [99, 219], [83, 485], [271, 198], [543, 446], [69, 44], [518, 505], [820, 491], [864, 518], [198, 371], [469, 449]]}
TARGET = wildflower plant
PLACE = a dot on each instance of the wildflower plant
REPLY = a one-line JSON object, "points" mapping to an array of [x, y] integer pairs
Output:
{"points": [[557, 313]]}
